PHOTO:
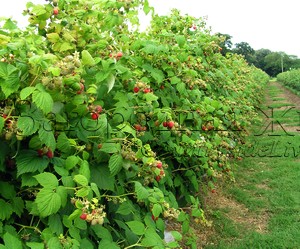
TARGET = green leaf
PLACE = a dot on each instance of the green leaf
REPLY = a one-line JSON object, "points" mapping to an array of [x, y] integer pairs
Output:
{"points": [[55, 224], [136, 227], [86, 244], [17, 205], [87, 59], [62, 192], [71, 162], [108, 244], [1, 123], [63, 143], [115, 164], [76, 213], [10, 25], [85, 169], [54, 243], [27, 124], [110, 82], [46, 135], [110, 147], [81, 180], [180, 40], [125, 208], [156, 210], [48, 202], [152, 239], [177, 236], [5, 210], [54, 70], [35, 245], [10, 82], [141, 192], [7, 190], [83, 192], [27, 91], [11, 242], [39, 10], [29, 161], [47, 180], [102, 177], [95, 189], [53, 37], [102, 233], [43, 100]]}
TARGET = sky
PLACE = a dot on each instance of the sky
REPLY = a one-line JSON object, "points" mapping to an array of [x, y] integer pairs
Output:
{"points": [[270, 24]]}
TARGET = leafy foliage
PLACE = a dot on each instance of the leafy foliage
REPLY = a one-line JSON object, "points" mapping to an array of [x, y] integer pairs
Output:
{"points": [[106, 132]]}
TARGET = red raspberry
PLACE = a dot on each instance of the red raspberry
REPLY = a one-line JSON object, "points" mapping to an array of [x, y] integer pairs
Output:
{"points": [[50, 154], [83, 216], [95, 116], [136, 89], [170, 124], [159, 164]]}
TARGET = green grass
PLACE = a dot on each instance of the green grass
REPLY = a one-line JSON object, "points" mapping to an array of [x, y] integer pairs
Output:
{"points": [[268, 185]]}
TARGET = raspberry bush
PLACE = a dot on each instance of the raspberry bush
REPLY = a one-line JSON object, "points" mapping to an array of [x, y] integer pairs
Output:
{"points": [[106, 132]]}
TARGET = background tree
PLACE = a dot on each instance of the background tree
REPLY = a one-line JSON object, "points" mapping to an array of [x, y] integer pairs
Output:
{"points": [[259, 58], [226, 43], [246, 50]]}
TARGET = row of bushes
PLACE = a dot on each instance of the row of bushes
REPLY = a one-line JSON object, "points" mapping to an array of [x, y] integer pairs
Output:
{"points": [[290, 78], [108, 133]]}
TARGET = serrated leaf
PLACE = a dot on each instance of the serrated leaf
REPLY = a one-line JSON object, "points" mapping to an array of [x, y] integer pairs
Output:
{"points": [[180, 40], [35, 245], [47, 180], [125, 208], [83, 192], [5, 210], [48, 202], [54, 242], [55, 224], [10, 82], [29, 161], [39, 10], [110, 147], [7, 190], [136, 227], [65, 46], [27, 91], [102, 233], [53, 37], [95, 189], [71, 162], [63, 143], [81, 180], [110, 82], [27, 125], [43, 100], [11, 242], [75, 214], [115, 164], [62, 192], [46, 135], [1, 123], [87, 59], [85, 169], [108, 244], [102, 177], [141, 192], [54, 70], [17, 205], [156, 210]]}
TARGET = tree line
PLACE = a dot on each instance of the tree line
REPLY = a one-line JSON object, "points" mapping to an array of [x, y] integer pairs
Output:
{"points": [[269, 61]]}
